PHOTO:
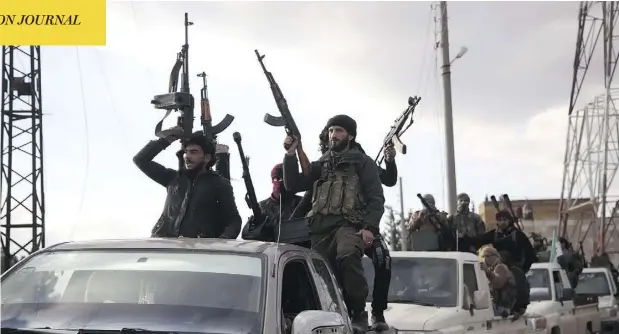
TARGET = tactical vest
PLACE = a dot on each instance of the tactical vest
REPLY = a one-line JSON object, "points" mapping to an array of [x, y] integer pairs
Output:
{"points": [[337, 192]]}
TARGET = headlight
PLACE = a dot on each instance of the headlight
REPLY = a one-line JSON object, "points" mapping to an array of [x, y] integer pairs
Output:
{"points": [[536, 322], [608, 312]]}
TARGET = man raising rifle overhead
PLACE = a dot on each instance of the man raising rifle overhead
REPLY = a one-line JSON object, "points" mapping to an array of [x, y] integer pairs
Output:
{"points": [[200, 203]]}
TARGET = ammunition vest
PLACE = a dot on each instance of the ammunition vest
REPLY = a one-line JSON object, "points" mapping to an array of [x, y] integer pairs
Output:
{"points": [[337, 192]]}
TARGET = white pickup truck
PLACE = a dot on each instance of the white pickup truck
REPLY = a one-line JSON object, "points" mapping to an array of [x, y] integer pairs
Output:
{"points": [[555, 308], [599, 282], [440, 292]]}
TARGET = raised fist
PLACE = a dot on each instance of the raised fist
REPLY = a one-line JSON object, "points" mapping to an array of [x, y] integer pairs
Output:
{"points": [[390, 153], [290, 144]]}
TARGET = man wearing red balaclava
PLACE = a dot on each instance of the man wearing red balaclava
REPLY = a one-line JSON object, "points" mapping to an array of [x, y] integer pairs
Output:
{"points": [[270, 208]]}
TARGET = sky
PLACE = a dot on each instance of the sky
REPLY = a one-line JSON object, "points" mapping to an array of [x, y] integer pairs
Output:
{"points": [[510, 98]]}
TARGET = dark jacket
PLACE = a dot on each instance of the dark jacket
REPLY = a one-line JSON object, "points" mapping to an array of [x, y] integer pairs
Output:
{"points": [[388, 177], [513, 241], [371, 188], [265, 229], [202, 206]]}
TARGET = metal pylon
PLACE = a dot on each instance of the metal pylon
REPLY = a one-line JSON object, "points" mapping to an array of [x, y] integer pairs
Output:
{"points": [[589, 193], [22, 207]]}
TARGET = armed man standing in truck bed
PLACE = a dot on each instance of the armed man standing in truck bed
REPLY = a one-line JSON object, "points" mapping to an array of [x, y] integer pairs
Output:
{"points": [[467, 224], [378, 251], [347, 206], [200, 203]]}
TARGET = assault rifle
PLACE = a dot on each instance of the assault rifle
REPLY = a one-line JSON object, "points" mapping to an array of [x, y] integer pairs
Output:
{"points": [[250, 197], [398, 129], [516, 219], [285, 119], [178, 100], [210, 131], [431, 213]]}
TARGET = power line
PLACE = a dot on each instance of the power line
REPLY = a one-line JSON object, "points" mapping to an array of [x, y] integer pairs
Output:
{"points": [[87, 143]]}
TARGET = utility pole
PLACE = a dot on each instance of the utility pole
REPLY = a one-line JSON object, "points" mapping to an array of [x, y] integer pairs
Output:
{"points": [[403, 231], [449, 127]]}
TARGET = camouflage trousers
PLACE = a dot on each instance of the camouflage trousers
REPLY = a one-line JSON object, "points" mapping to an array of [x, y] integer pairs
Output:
{"points": [[343, 248]]}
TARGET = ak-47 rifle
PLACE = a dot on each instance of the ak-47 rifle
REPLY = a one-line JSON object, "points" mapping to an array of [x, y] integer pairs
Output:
{"points": [[517, 221], [398, 129], [285, 119], [178, 100], [210, 131], [250, 197]]}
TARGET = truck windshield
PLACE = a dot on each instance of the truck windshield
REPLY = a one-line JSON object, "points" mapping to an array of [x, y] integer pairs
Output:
{"points": [[154, 290], [539, 280], [593, 284], [424, 281]]}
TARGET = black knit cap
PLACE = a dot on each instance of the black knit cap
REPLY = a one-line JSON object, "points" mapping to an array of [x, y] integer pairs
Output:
{"points": [[345, 121], [208, 147]]}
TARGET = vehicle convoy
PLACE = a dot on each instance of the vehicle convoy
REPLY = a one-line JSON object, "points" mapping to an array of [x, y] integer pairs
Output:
{"points": [[441, 292], [599, 282], [555, 307], [174, 285]]}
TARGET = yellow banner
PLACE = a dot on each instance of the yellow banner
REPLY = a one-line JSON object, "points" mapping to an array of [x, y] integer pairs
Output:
{"points": [[52, 22]]}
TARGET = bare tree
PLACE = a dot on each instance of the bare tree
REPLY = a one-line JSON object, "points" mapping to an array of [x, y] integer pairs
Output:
{"points": [[392, 233]]}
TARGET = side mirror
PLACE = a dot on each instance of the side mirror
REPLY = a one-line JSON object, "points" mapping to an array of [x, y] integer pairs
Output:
{"points": [[568, 294], [307, 322], [481, 300]]}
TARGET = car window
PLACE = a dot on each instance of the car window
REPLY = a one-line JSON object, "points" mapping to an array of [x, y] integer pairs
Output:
{"points": [[470, 283], [101, 288], [324, 278]]}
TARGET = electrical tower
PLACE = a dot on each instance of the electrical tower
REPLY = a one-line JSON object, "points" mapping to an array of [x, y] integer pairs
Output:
{"points": [[22, 209], [589, 193]]}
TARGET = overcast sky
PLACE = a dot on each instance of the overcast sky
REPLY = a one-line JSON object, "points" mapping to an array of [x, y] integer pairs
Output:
{"points": [[364, 59]]}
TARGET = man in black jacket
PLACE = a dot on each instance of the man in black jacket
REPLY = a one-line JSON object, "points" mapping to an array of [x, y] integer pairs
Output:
{"points": [[270, 208], [378, 252], [200, 202], [508, 238]]}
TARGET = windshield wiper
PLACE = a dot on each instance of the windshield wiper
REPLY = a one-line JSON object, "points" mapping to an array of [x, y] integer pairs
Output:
{"points": [[142, 330], [37, 330], [414, 302]]}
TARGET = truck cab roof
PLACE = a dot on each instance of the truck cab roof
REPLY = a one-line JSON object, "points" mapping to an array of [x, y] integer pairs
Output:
{"points": [[178, 244], [460, 256], [546, 265]]}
